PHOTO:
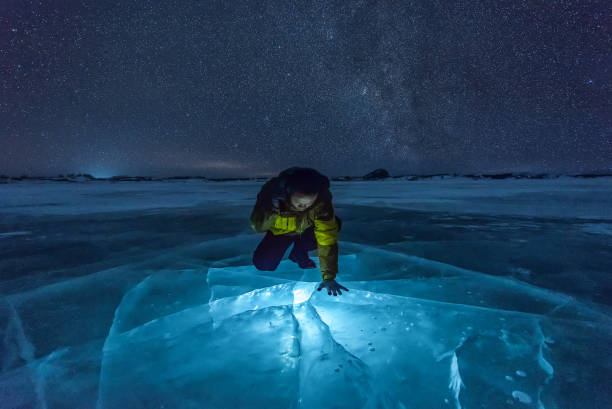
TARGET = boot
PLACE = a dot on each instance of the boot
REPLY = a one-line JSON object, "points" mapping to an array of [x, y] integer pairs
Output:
{"points": [[303, 262]]}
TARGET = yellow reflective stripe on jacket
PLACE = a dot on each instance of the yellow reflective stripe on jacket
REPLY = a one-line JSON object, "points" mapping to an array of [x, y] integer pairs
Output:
{"points": [[326, 231], [285, 223]]}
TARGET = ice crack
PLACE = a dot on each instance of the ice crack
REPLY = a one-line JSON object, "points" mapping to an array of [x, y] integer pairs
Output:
{"points": [[544, 364], [26, 352], [455, 382]]}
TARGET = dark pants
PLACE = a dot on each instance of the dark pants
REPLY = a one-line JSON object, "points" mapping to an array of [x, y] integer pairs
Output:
{"points": [[271, 249]]}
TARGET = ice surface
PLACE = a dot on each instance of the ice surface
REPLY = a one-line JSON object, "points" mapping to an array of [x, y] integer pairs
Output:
{"points": [[112, 299]]}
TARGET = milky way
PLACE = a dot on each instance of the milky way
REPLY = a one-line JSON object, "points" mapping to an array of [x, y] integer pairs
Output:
{"points": [[249, 88]]}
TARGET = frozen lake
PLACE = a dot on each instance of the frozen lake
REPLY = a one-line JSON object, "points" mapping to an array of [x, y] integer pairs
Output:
{"points": [[463, 293]]}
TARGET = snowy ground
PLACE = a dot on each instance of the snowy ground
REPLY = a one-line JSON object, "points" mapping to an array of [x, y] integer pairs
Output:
{"points": [[463, 293]]}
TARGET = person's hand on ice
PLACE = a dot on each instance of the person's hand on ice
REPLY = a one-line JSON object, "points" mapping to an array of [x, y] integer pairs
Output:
{"points": [[332, 286]]}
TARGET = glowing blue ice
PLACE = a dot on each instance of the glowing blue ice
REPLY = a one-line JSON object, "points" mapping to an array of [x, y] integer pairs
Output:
{"points": [[184, 320]]}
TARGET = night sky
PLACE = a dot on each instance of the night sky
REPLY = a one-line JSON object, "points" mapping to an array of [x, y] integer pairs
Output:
{"points": [[237, 88]]}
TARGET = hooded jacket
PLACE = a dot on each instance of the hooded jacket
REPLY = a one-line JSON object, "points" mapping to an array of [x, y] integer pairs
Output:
{"points": [[291, 222]]}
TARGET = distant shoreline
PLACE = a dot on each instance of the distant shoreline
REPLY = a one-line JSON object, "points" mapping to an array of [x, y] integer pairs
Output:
{"points": [[83, 177]]}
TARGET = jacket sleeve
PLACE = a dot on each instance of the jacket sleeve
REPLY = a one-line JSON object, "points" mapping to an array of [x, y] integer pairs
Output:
{"points": [[326, 233], [263, 216]]}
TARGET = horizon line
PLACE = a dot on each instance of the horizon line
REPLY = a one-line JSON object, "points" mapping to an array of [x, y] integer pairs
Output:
{"points": [[85, 174]]}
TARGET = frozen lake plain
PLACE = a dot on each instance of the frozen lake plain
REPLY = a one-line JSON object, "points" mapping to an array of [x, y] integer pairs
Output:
{"points": [[463, 294]]}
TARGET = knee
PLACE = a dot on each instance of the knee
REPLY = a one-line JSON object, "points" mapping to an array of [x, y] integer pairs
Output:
{"points": [[262, 264]]}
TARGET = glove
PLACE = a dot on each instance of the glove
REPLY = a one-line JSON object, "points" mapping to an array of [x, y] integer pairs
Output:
{"points": [[332, 286], [278, 203]]}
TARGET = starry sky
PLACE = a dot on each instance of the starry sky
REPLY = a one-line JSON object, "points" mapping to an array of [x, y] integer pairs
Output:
{"points": [[249, 88]]}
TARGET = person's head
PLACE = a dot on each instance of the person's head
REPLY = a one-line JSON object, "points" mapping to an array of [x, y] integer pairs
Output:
{"points": [[301, 201], [303, 187]]}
